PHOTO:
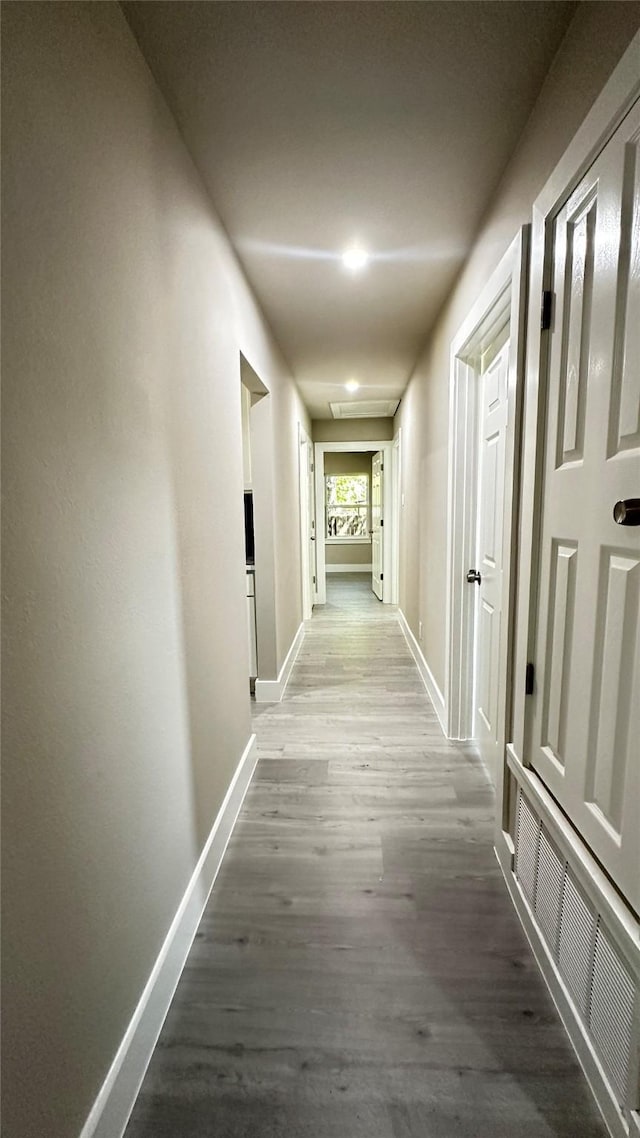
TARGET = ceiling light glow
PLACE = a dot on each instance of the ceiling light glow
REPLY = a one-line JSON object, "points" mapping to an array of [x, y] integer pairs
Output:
{"points": [[355, 259], [352, 385]]}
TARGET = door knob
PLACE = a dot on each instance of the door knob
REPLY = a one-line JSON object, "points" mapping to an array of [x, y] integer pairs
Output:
{"points": [[627, 512], [473, 577]]}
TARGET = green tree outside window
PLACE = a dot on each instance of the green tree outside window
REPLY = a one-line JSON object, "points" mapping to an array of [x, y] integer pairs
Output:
{"points": [[347, 501]]}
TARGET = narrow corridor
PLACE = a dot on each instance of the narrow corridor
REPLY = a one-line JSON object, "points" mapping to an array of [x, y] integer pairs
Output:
{"points": [[360, 971]]}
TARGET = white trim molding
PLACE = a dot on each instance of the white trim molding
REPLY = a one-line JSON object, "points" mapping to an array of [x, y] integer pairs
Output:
{"points": [[348, 540], [396, 479], [272, 691], [500, 305], [113, 1106], [349, 568], [427, 676]]}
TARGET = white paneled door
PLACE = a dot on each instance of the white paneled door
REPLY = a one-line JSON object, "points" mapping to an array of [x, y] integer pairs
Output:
{"points": [[307, 526], [492, 421], [377, 522], [584, 718], [309, 506]]}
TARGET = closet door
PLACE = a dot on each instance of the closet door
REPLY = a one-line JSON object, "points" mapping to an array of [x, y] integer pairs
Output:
{"points": [[377, 544], [584, 715]]}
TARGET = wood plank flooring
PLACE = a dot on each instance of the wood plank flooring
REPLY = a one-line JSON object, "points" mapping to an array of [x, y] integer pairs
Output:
{"points": [[359, 971]]}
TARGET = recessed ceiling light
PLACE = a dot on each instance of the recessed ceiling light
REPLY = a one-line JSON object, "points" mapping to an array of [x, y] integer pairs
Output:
{"points": [[355, 259], [352, 385]]}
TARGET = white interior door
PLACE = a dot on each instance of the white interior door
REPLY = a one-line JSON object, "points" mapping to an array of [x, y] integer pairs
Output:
{"points": [[307, 526], [488, 569], [311, 525], [377, 544], [396, 497], [583, 722]]}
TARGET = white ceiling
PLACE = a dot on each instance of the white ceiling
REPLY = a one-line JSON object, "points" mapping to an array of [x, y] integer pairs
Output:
{"points": [[320, 124]]}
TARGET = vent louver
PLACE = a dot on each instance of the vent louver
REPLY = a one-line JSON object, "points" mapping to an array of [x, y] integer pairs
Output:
{"points": [[575, 950], [601, 985], [549, 890], [527, 848], [611, 1011]]}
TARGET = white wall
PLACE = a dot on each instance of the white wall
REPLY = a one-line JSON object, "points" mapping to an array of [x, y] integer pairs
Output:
{"points": [[351, 430], [125, 655], [595, 41]]}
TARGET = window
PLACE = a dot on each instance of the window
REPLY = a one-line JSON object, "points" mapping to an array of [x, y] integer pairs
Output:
{"points": [[347, 502]]}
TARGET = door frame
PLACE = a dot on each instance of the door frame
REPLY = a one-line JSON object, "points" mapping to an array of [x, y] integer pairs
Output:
{"points": [[386, 446], [502, 300], [262, 434], [396, 485], [306, 500]]}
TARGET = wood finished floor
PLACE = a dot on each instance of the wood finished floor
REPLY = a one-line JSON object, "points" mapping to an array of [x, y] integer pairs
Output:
{"points": [[359, 971]]}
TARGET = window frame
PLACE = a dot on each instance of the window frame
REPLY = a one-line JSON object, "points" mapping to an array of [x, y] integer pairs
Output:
{"points": [[346, 539]]}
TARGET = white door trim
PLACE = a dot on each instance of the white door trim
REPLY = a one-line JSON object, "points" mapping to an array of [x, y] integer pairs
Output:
{"points": [[502, 300], [388, 499], [396, 487]]}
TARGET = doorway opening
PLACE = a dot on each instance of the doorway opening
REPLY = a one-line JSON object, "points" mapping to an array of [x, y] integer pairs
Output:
{"points": [[348, 496], [354, 515], [257, 447], [487, 361]]}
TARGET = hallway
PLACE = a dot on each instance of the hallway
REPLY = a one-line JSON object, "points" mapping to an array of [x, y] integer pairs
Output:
{"points": [[360, 971]]}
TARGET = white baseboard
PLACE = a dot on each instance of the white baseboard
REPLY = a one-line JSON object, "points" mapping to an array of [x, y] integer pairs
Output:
{"points": [[428, 679], [272, 691], [348, 568], [112, 1108]]}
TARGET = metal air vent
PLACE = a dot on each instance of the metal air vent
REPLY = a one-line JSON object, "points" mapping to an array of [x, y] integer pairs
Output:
{"points": [[549, 889], [611, 1011], [604, 991], [575, 946], [527, 839]]}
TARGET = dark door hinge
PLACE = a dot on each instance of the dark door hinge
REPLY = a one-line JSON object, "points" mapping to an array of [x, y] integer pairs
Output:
{"points": [[314, 580], [381, 523], [545, 311], [529, 678], [382, 576]]}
